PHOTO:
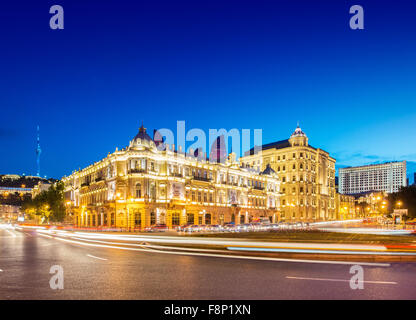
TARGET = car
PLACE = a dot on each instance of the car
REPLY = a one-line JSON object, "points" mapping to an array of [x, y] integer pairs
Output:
{"points": [[411, 222], [157, 228], [230, 227], [214, 228], [274, 226], [183, 228], [244, 227], [190, 228]]}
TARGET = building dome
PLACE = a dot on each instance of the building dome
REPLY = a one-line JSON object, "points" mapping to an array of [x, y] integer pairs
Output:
{"points": [[298, 138], [142, 138], [142, 134], [298, 132], [268, 170]]}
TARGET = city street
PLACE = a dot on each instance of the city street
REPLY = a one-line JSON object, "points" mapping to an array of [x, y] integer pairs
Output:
{"points": [[113, 273]]}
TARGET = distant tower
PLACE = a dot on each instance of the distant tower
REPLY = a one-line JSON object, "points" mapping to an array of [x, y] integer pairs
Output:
{"points": [[218, 152], [38, 152]]}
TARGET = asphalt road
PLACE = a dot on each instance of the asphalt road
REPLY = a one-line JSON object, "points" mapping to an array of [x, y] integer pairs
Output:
{"points": [[109, 273]]}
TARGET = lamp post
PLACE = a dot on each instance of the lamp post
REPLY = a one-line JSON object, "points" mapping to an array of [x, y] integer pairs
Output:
{"points": [[399, 204]]}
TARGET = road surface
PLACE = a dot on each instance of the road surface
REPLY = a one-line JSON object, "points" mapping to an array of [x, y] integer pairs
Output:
{"points": [[110, 273]]}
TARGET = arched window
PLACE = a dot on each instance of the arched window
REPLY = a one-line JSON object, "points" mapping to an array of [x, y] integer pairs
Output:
{"points": [[152, 191], [137, 218], [138, 190]]}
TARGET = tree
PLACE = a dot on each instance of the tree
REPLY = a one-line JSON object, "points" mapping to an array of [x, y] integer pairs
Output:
{"points": [[407, 197], [48, 205]]}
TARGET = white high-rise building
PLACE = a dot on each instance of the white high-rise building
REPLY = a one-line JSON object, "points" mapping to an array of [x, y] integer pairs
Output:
{"points": [[387, 177]]}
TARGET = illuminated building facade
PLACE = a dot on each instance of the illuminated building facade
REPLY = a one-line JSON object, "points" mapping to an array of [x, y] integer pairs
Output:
{"points": [[40, 187], [371, 203], [144, 185], [9, 213], [387, 177], [307, 176], [345, 207]]}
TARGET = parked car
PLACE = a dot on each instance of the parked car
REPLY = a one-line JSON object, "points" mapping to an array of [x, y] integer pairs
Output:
{"points": [[274, 226], [157, 228]]}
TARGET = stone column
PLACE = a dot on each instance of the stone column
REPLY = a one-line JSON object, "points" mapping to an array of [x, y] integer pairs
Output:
{"points": [[145, 217], [182, 217], [237, 218], [169, 218]]}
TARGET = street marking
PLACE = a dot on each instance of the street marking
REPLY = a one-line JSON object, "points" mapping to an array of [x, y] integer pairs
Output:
{"points": [[91, 256], [379, 253], [230, 257], [339, 280], [1, 270]]}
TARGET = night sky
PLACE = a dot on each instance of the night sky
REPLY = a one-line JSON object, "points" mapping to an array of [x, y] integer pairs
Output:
{"points": [[215, 64]]}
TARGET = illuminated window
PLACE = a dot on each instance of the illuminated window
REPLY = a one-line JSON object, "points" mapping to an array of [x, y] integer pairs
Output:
{"points": [[175, 218], [152, 218], [137, 219]]}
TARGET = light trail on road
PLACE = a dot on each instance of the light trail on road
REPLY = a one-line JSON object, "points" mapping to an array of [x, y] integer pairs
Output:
{"points": [[95, 257], [368, 231], [213, 241], [127, 241], [120, 247], [341, 280], [383, 253], [146, 270]]}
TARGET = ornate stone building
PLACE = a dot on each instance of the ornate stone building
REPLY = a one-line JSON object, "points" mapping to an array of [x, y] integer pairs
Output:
{"points": [[150, 183], [345, 207], [307, 176]]}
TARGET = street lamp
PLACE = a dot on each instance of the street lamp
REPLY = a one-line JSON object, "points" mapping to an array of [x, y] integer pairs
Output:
{"points": [[399, 204]]}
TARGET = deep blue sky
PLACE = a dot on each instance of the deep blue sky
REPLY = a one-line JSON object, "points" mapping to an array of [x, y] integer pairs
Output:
{"points": [[215, 64]]}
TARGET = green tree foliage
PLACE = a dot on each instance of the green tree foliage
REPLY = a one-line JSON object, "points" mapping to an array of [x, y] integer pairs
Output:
{"points": [[406, 195], [49, 205]]}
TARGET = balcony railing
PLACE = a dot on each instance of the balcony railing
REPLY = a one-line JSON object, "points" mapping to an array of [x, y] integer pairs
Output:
{"points": [[176, 174], [85, 184], [202, 179], [137, 171]]}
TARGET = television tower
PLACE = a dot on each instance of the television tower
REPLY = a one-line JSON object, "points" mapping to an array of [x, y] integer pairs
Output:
{"points": [[38, 152]]}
